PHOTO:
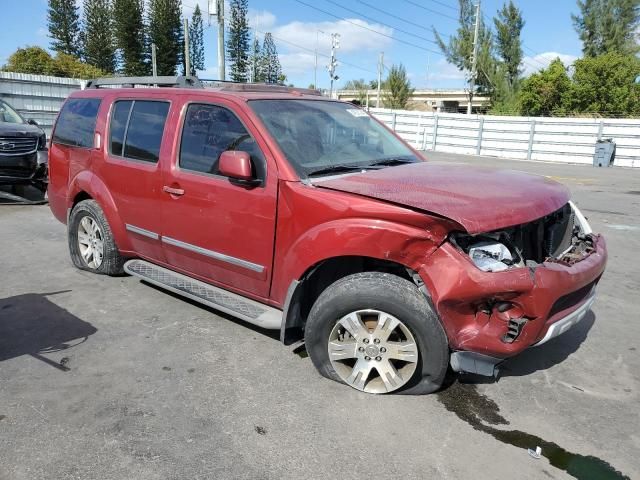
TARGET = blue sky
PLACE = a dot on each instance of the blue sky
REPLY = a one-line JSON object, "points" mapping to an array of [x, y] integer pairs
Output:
{"points": [[548, 33]]}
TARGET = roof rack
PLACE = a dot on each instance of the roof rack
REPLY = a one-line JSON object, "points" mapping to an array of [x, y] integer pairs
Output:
{"points": [[164, 81], [230, 86]]}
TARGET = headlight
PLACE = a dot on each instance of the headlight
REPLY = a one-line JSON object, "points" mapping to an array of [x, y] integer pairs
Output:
{"points": [[490, 256], [487, 253]]}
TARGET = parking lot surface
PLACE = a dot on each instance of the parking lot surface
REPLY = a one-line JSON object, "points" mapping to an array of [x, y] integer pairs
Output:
{"points": [[110, 378]]}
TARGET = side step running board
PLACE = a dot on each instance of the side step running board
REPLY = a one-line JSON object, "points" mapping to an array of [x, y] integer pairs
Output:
{"points": [[246, 309]]}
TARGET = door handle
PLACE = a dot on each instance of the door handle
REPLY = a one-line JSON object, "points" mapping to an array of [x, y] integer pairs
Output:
{"points": [[173, 190]]}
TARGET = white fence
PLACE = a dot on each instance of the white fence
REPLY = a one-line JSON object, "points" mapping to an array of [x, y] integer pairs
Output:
{"points": [[570, 140], [36, 96]]}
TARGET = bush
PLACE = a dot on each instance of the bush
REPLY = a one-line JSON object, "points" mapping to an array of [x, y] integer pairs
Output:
{"points": [[37, 61]]}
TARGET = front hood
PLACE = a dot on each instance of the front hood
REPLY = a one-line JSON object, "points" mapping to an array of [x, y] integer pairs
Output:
{"points": [[479, 199], [19, 129]]}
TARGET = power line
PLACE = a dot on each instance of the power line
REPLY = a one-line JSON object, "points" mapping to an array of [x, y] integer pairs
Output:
{"points": [[432, 10], [367, 28], [373, 7], [280, 39], [381, 23]]}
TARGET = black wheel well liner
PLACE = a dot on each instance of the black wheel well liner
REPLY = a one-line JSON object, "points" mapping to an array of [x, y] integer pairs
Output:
{"points": [[302, 293]]}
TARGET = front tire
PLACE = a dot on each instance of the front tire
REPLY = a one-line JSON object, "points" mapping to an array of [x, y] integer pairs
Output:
{"points": [[377, 333], [91, 243]]}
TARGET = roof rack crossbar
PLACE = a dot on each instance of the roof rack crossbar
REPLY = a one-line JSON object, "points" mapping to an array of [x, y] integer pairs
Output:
{"points": [[163, 81]]}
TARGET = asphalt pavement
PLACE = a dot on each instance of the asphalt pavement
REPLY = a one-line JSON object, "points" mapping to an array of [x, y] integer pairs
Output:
{"points": [[109, 378]]}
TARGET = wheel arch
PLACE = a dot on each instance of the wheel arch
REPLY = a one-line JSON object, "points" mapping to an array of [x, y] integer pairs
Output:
{"points": [[303, 292], [88, 186]]}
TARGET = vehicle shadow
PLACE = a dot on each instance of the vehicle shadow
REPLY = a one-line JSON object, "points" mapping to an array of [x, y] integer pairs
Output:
{"points": [[545, 356], [31, 324]]}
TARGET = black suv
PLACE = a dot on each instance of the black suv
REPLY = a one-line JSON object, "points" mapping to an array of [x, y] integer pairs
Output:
{"points": [[23, 151]]}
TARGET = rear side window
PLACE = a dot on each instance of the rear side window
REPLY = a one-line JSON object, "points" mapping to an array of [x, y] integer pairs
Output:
{"points": [[77, 122], [136, 129]]}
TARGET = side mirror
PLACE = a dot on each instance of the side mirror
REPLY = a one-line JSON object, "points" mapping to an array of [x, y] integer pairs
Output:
{"points": [[237, 166], [31, 121]]}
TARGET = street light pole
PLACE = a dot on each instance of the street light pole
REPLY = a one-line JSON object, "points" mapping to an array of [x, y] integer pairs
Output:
{"points": [[333, 63]]}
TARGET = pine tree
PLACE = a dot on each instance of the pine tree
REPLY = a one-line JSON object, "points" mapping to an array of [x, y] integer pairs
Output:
{"points": [[165, 30], [64, 26], [98, 45], [459, 49], [397, 88], [196, 41], [509, 26], [238, 40], [607, 26], [256, 62], [130, 38], [272, 70]]}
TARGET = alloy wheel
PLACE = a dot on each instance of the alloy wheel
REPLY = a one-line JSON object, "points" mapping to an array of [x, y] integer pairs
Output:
{"points": [[90, 242], [373, 351]]}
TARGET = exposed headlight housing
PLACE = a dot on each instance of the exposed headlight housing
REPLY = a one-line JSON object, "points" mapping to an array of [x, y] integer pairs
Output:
{"points": [[490, 253], [582, 222]]}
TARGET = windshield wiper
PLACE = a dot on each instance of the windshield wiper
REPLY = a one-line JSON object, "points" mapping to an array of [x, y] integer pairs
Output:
{"points": [[392, 161], [338, 169]]}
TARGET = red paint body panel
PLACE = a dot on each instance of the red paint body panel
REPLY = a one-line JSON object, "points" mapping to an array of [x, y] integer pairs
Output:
{"points": [[401, 214], [479, 199]]}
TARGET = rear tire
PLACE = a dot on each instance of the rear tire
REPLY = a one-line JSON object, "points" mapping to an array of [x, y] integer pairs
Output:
{"points": [[385, 309], [91, 244]]}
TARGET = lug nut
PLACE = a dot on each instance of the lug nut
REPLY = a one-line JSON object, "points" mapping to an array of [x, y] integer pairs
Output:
{"points": [[376, 340], [382, 349], [361, 349], [366, 340], [378, 358], [367, 358]]}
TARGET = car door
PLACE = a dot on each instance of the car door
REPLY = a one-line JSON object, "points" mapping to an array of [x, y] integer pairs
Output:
{"points": [[133, 153], [213, 228]]}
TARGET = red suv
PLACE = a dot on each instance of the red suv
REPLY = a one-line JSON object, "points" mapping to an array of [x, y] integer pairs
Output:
{"points": [[299, 213]]}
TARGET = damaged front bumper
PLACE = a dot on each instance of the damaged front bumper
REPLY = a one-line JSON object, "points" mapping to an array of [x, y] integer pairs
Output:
{"points": [[491, 316]]}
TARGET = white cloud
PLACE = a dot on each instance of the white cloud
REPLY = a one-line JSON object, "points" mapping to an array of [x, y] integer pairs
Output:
{"points": [[353, 37], [443, 70], [542, 60], [261, 19], [299, 63]]}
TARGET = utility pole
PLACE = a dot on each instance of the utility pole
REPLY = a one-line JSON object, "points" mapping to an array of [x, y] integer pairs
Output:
{"points": [[380, 67], [333, 63], [216, 9], [474, 59], [154, 66], [315, 69], [187, 60]]}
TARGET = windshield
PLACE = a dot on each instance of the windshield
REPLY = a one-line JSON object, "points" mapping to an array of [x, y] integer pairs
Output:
{"points": [[321, 137], [8, 114]]}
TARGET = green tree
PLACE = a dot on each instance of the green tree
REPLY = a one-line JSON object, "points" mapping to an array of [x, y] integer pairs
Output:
{"points": [[397, 88], [361, 87], [256, 63], [64, 26], [38, 61], [70, 66], [272, 70], [98, 43], [459, 49], [508, 25], [196, 41], [165, 30], [605, 85], [130, 36], [238, 40], [544, 93], [606, 26]]}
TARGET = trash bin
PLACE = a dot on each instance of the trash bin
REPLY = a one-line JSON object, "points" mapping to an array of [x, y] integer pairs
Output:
{"points": [[605, 153]]}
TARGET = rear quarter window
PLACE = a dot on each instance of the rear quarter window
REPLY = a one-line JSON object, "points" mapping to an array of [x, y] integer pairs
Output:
{"points": [[77, 122]]}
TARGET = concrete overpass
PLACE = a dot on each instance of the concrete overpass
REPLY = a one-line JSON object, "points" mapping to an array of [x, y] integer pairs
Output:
{"points": [[428, 100]]}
